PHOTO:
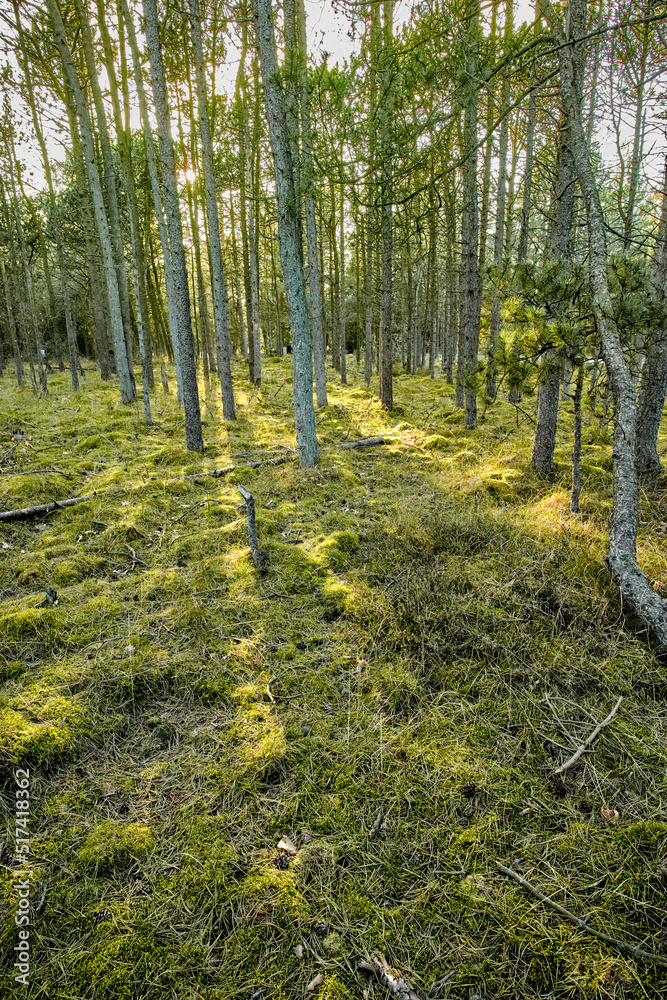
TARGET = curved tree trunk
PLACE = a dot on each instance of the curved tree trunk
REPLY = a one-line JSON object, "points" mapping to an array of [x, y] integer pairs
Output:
{"points": [[639, 598]]}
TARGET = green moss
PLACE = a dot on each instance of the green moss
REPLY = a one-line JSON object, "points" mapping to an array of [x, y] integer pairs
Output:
{"points": [[112, 844]]}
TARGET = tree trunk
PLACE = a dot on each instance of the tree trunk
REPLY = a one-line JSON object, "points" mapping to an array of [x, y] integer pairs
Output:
{"points": [[653, 381], [470, 276], [127, 388], [109, 171], [308, 184], [387, 198], [639, 598], [342, 312], [193, 430], [499, 244], [288, 236], [220, 303], [172, 304]]}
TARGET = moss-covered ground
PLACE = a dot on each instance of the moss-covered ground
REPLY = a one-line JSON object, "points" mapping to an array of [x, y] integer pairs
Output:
{"points": [[435, 635]]}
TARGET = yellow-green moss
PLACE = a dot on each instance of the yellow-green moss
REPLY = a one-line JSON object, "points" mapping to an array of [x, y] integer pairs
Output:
{"points": [[112, 843]]}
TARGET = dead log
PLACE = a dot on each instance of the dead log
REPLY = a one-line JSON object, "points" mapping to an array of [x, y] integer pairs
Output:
{"points": [[260, 559], [24, 513]]}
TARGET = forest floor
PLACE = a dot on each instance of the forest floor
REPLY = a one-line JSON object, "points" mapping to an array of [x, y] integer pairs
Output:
{"points": [[435, 635]]}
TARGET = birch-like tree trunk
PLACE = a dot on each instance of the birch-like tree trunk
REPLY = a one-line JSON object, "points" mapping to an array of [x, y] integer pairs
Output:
{"points": [[291, 258], [193, 430]]}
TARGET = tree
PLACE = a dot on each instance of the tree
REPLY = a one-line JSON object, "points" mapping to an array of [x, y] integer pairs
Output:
{"points": [[289, 232], [638, 596], [193, 429]]}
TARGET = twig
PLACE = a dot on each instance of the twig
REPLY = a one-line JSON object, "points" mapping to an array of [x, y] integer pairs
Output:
{"points": [[42, 472], [218, 473], [600, 726], [520, 409], [273, 451], [200, 503], [260, 558], [361, 443], [135, 558], [23, 513], [581, 924]]}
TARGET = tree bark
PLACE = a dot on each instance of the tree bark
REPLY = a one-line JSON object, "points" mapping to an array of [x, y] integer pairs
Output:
{"points": [[172, 304], [220, 302], [470, 276], [387, 198], [127, 388], [288, 236], [638, 596], [653, 381], [193, 430]]}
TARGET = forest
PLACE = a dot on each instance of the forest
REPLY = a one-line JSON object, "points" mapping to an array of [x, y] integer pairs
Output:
{"points": [[333, 580]]}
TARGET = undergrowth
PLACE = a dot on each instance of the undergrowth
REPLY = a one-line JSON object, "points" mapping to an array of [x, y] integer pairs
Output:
{"points": [[435, 635]]}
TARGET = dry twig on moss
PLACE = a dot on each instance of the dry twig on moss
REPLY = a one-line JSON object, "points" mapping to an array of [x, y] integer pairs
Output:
{"points": [[634, 949], [587, 742]]}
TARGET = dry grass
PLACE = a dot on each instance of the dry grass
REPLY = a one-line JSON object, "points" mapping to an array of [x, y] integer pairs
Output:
{"points": [[422, 600]]}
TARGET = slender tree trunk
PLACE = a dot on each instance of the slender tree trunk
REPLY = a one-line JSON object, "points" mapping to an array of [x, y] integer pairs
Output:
{"points": [[11, 323], [387, 197], [220, 303], [170, 288], [499, 243], [576, 451], [109, 180], [653, 381], [237, 275], [470, 276], [308, 183], [127, 389], [288, 236], [30, 306], [193, 429], [342, 314], [638, 142], [560, 246], [639, 598]]}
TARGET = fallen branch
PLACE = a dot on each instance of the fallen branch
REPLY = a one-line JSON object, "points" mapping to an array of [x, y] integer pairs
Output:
{"points": [[218, 473], [391, 978], [42, 472], [361, 443], [598, 729], [23, 513], [260, 558], [634, 949]]}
